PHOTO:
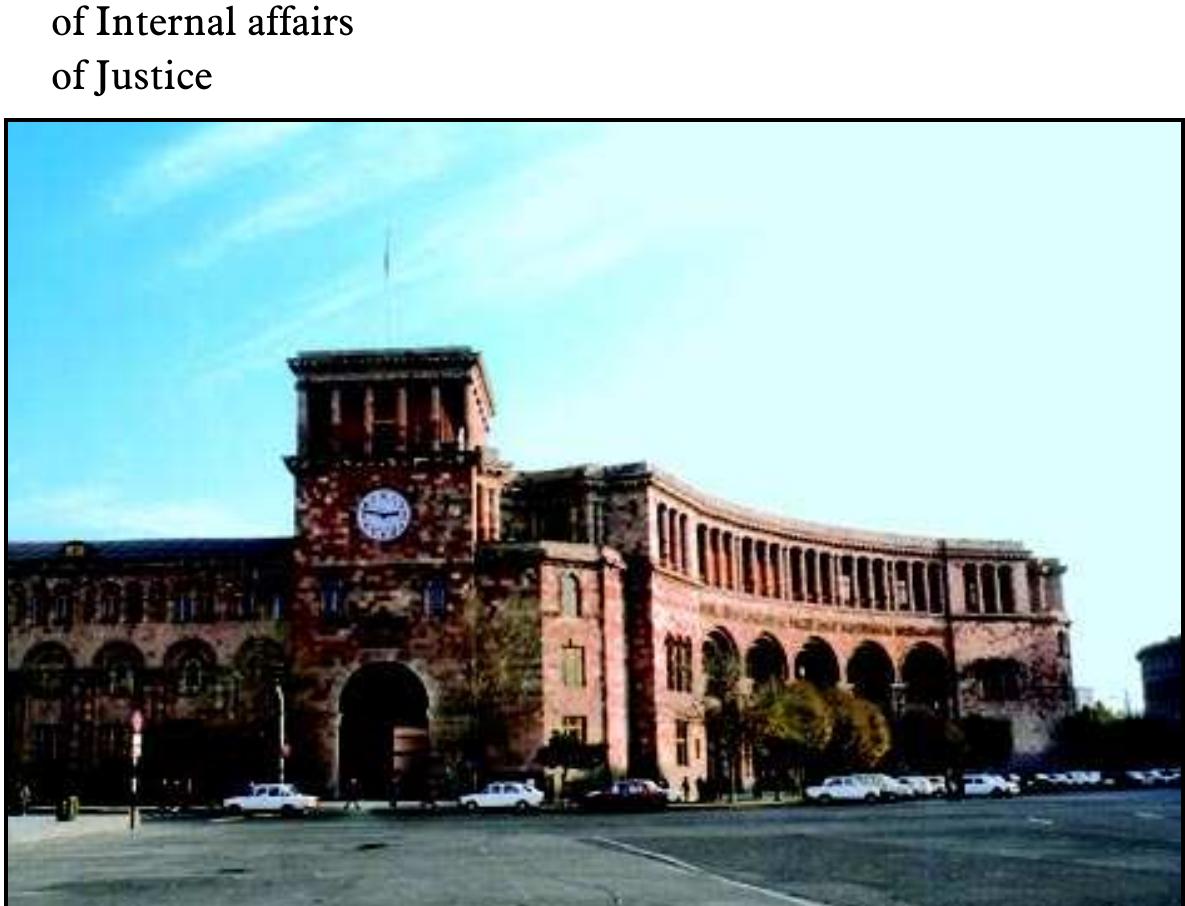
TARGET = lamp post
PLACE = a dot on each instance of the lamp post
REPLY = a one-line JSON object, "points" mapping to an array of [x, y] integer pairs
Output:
{"points": [[283, 737]]}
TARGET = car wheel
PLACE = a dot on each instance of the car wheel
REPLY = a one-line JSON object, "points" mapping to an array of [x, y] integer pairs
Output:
{"points": [[287, 811], [235, 810], [871, 797], [471, 806], [825, 799], [997, 794], [521, 806]]}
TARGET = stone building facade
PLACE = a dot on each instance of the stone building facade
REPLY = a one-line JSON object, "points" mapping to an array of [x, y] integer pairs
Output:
{"points": [[1160, 670], [404, 517]]}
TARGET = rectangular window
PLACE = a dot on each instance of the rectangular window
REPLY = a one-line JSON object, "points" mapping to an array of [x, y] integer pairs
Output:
{"points": [[575, 725], [681, 734], [572, 666]]}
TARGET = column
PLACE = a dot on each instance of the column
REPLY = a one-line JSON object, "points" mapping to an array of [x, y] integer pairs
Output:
{"points": [[368, 420], [302, 421], [434, 420], [335, 418], [401, 417]]}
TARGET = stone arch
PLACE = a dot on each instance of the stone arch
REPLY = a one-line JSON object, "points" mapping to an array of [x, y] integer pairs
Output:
{"points": [[384, 729], [261, 660], [47, 667], [119, 665], [765, 661], [926, 675], [816, 663], [999, 679], [721, 658], [191, 663], [871, 675]]}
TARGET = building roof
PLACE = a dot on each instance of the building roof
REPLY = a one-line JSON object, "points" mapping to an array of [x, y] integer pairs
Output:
{"points": [[151, 549]]}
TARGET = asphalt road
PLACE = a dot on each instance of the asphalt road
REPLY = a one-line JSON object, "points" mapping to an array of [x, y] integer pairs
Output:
{"points": [[1101, 848]]}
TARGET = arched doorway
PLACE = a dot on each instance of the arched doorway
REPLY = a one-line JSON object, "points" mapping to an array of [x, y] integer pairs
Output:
{"points": [[384, 729]]}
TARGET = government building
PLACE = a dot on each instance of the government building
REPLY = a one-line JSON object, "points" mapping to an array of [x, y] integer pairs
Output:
{"points": [[356, 626]]}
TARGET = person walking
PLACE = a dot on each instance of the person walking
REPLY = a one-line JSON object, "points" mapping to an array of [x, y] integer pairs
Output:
{"points": [[352, 795]]}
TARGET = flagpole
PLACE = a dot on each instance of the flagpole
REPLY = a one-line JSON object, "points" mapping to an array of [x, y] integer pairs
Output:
{"points": [[388, 304]]}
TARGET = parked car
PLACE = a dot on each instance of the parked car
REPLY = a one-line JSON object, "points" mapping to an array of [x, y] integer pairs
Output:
{"points": [[626, 796], [843, 789], [921, 787], [504, 795], [889, 788], [281, 798], [989, 785]]}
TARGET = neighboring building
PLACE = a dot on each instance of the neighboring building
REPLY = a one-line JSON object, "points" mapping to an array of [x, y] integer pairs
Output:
{"points": [[1160, 665], [403, 514]]}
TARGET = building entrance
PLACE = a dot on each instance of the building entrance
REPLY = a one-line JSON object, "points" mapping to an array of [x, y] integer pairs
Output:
{"points": [[384, 731]]}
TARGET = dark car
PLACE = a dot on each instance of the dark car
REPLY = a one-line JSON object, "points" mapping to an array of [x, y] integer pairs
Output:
{"points": [[626, 796]]}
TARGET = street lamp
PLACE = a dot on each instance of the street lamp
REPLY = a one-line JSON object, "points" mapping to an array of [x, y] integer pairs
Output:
{"points": [[283, 738]]}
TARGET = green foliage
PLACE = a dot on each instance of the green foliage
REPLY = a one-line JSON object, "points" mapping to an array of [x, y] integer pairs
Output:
{"points": [[861, 737], [928, 742], [499, 678], [1094, 737], [791, 726], [567, 752]]}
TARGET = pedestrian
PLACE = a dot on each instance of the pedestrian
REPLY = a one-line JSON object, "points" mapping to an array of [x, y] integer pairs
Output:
{"points": [[352, 795], [26, 797], [686, 789], [396, 780]]}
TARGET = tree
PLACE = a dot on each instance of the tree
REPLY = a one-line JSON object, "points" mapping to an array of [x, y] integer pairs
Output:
{"points": [[566, 751], [928, 742], [861, 736], [727, 717], [499, 679], [792, 727]]}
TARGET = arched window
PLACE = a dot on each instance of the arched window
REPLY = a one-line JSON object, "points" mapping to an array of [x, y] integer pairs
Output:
{"points": [[999, 679], [570, 595], [118, 664], [192, 665], [48, 668]]}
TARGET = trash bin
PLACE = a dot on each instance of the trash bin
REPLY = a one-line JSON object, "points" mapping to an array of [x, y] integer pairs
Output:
{"points": [[67, 809]]}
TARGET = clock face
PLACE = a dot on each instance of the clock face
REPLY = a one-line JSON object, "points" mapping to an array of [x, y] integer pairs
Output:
{"points": [[383, 514]]}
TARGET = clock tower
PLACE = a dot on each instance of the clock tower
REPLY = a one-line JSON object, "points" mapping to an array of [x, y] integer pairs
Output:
{"points": [[395, 484]]}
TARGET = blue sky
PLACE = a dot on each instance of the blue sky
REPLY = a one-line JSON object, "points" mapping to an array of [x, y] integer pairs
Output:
{"points": [[969, 330]]}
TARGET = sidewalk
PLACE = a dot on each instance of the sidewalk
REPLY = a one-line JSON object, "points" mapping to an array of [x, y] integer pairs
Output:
{"points": [[39, 828]]}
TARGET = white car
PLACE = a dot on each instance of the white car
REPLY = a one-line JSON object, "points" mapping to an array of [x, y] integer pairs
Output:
{"points": [[890, 788], [843, 789], [920, 787], [504, 794], [989, 785], [282, 798]]}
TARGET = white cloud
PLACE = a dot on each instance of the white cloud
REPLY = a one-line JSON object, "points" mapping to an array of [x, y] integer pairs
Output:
{"points": [[299, 326], [354, 168], [198, 159], [100, 512]]}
